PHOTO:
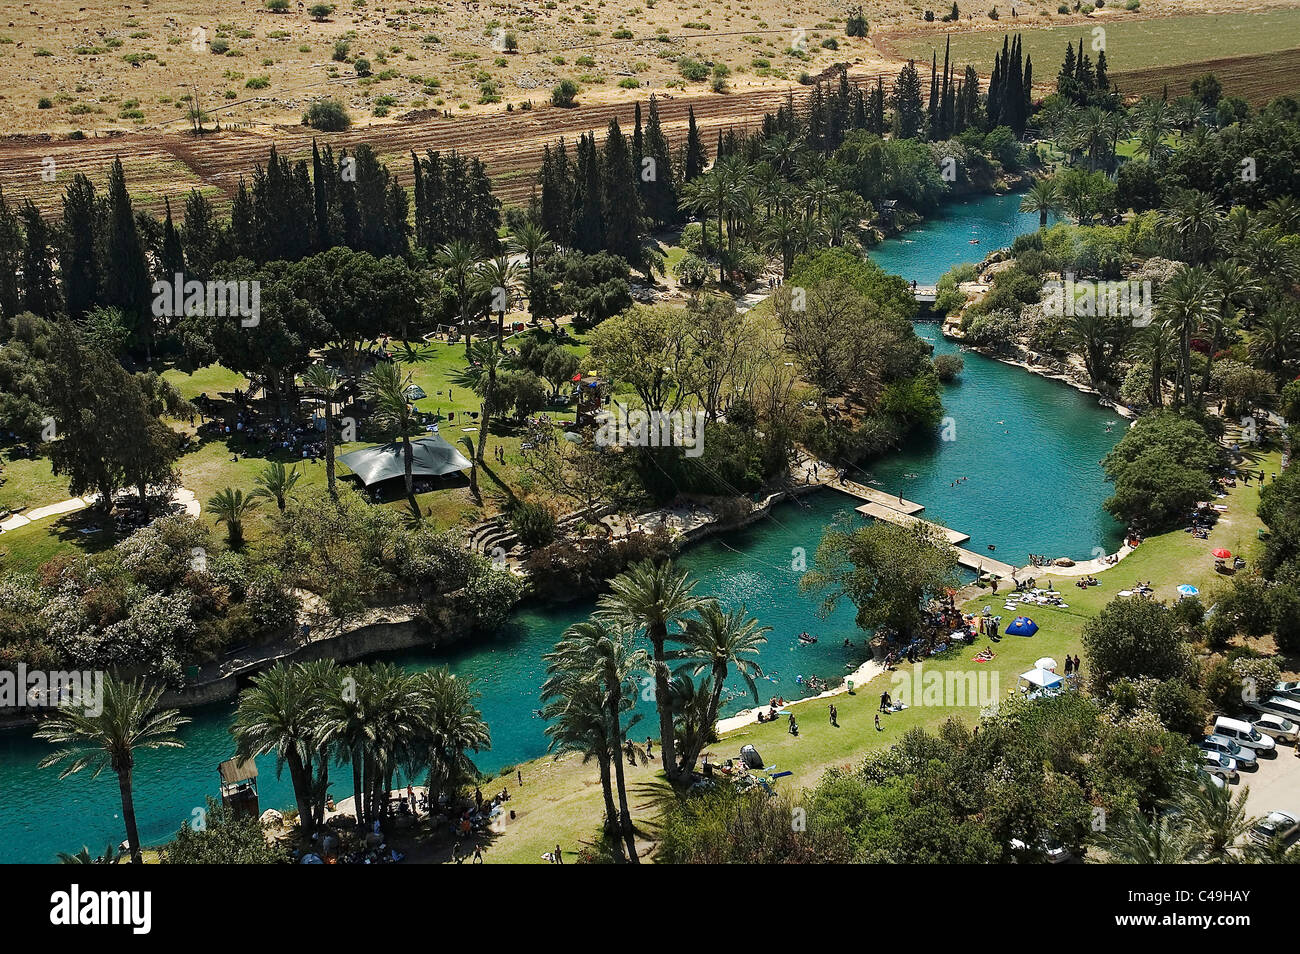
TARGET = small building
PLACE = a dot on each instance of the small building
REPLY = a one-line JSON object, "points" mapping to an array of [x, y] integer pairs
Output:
{"points": [[239, 787]]}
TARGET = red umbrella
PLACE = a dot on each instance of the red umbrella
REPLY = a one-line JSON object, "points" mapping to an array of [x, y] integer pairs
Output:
{"points": [[1221, 553]]}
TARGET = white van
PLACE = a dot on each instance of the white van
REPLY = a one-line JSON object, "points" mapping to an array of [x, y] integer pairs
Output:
{"points": [[1279, 705], [1244, 734]]}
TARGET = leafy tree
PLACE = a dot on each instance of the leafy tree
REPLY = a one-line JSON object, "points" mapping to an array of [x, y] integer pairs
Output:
{"points": [[887, 571], [1134, 638]]}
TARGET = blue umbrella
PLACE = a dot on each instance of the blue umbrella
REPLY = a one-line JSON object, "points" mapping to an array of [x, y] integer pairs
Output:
{"points": [[1186, 589], [1022, 626]]}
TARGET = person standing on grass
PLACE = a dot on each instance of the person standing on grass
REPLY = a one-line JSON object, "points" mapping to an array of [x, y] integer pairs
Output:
{"points": [[834, 716]]}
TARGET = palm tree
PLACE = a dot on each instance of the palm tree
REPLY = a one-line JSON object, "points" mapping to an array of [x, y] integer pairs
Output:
{"points": [[601, 652], [1183, 305], [531, 241], [576, 721], [499, 279], [276, 716], [451, 725], [111, 856], [1283, 213], [456, 260], [486, 361], [654, 597], [1158, 344], [1195, 219], [1275, 338], [276, 482], [719, 639], [1231, 285], [321, 381], [1043, 198], [1218, 818], [467, 441], [1138, 840], [394, 413], [127, 720], [780, 236], [231, 507]]}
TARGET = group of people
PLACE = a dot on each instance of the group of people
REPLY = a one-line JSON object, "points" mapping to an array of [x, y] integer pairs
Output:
{"points": [[1087, 581]]}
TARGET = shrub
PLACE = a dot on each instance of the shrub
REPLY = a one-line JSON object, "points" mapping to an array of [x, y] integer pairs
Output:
{"points": [[327, 115], [361, 66], [341, 49], [948, 366], [565, 93], [320, 11], [277, 6], [533, 523]]}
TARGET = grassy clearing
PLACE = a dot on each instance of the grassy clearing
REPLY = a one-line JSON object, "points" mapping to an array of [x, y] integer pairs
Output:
{"points": [[561, 801], [212, 465], [1130, 44]]}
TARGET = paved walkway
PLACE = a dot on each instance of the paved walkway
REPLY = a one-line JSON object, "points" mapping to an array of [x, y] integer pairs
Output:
{"points": [[182, 496]]}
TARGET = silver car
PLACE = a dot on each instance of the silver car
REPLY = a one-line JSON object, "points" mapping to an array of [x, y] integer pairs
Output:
{"points": [[1275, 827], [1289, 689], [1225, 746], [1279, 727], [1220, 765]]}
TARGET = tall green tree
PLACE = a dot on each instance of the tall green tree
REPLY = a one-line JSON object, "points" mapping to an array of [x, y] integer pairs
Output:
{"points": [[127, 720]]}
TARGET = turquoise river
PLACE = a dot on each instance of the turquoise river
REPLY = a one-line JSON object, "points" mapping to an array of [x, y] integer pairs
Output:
{"points": [[1030, 448]]}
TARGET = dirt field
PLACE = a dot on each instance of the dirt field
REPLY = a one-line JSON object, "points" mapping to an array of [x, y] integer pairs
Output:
{"points": [[119, 74], [1256, 79]]}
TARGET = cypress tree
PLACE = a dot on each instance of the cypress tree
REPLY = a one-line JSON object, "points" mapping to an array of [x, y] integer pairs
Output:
{"points": [[696, 158], [201, 236], [589, 223], [42, 296], [124, 281], [172, 257], [909, 113], [78, 263], [661, 190], [621, 204], [11, 259]]}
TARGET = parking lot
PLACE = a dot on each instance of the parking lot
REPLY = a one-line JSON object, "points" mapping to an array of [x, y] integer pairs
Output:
{"points": [[1275, 784]]}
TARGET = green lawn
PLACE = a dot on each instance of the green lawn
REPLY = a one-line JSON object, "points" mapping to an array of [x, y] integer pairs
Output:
{"points": [[561, 801], [1130, 43], [210, 466]]}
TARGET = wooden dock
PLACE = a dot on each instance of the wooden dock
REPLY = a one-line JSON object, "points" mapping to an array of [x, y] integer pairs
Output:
{"points": [[882, 506], [871, 495], [984, 564], [877, 512]]}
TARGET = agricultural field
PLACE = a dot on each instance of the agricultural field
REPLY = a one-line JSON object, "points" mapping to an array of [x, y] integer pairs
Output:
{"points": [[1256, 79], [1132, 42]]}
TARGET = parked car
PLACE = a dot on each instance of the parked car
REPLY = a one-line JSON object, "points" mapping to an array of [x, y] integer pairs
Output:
{"points": [[1275, 827], [1225, 746], [1055, 854], [1280, 728], [1245, 735], [1214, 780], [1290, 690], [1284, 706], [1221, 765]]}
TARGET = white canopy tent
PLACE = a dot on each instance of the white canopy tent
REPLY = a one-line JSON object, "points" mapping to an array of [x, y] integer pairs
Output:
{"points": [[1040, 679]]}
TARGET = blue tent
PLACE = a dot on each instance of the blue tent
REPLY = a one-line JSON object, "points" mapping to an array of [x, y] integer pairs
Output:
{"points": [[1022, 626]]}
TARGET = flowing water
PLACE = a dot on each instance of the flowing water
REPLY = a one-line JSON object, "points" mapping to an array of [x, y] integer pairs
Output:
{"points": [[1030, 448]]}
